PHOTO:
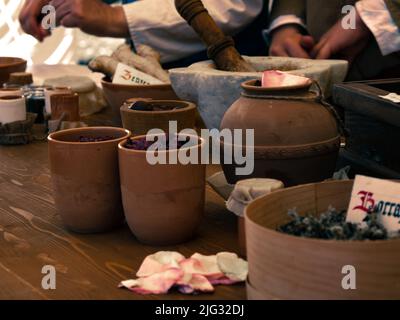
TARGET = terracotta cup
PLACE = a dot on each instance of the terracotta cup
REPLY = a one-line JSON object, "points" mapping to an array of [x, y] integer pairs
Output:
{"points": [[163, 204], [140, 122], [85, 178]]}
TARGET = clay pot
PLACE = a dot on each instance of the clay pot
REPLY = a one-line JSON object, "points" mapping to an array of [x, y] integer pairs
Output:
{"points": [[9, 65], [282, 266], [141, 122], [85, 178], [163, 204], [117, 94], [296, 137]]}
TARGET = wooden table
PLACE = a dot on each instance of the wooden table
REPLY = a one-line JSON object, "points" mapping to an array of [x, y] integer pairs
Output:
{"points": [[88, 266]]}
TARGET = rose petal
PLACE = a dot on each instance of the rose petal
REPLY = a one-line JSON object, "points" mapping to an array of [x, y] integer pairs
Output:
{"points": [[159, 283], [276, 79], [203, 265], [232, 266], [191, 283], [159, 262], [223, 281]]}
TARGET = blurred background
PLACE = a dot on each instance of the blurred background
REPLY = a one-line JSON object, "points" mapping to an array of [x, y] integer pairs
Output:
{"points": [[64, 46]]}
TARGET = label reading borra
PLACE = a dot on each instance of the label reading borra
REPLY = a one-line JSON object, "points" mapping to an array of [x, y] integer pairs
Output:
{"points": [[381, 196]]}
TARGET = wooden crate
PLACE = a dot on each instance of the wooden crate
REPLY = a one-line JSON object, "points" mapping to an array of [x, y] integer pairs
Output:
{"points": [[373, 123]]}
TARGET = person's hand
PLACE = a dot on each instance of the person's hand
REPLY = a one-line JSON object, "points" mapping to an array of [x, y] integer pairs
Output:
{"points": [[343, 43], [287, 41], [30, 18], [92, 16]]}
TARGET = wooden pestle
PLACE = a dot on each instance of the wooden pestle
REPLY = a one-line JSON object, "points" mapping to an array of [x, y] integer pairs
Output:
{"points": [[221, 48]]}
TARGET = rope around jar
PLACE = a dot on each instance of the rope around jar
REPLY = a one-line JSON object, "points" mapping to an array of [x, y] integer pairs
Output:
{"points": [[319, 97]]}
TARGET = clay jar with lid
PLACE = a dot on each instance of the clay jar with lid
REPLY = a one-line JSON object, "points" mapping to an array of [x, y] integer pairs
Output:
{"points": [[85, 178], [163, 203], [296, 137]]}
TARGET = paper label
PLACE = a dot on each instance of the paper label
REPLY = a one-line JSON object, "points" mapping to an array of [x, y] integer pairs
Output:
{"points": [[394, 97], [129, 75], [381, 196]]}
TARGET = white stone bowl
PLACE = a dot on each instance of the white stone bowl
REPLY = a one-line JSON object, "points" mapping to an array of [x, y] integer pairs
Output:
{"points": [[214, 91]]}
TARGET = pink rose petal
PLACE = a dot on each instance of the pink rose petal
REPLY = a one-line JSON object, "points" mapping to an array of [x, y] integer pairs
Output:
{"points": [[203, 265], [159, 283], [276, 79], [225, 281], [159, 262], [192, 283]]}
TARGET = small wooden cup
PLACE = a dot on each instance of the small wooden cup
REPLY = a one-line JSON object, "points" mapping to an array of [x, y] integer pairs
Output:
{"points": [[65, 104]]}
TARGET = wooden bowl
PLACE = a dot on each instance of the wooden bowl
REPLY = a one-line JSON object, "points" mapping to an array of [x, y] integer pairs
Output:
{"points": [[10, 65], [117, 94], [282, 266]]}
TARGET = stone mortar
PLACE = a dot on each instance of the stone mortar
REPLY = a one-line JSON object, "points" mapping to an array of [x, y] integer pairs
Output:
{"points": [[214, 91]]}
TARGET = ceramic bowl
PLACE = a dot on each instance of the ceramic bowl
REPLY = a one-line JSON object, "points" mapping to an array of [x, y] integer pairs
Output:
{"points": [[140, 122], [117, 94], [10, 65], [213, 91]]}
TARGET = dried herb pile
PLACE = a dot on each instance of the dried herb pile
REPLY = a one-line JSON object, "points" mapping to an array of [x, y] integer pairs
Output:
{"points": [[148, 106], [165, 144], [86, 139], [332, 225]]}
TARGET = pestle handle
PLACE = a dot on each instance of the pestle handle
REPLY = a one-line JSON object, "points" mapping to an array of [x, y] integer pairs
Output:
{"points": [[221, 48]]}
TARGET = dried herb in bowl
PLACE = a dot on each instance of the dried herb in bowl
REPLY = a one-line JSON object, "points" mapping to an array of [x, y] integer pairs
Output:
{"points": [[332, 225], [148, 106], [86, 139], [164, 144]]}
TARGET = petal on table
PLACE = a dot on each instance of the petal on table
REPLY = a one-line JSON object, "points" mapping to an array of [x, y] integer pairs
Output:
{"points": [[159, 283], [234, 268], [159, 262]]}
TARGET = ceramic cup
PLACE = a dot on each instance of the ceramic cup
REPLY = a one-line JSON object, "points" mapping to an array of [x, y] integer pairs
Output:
{"points": [[12, 109], [85, 178], [163, 204]]}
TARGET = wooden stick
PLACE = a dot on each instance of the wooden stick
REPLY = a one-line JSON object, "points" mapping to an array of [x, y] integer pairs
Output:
{"points": [[221, 48]]}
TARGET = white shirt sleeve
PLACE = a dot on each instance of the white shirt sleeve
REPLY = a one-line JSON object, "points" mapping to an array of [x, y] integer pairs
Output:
{"points": [[376, 16], [157, 23], [285, 19]]}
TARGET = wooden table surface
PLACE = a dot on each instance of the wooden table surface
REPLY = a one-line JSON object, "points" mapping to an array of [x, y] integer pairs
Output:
{"points": [[88, 266]]}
